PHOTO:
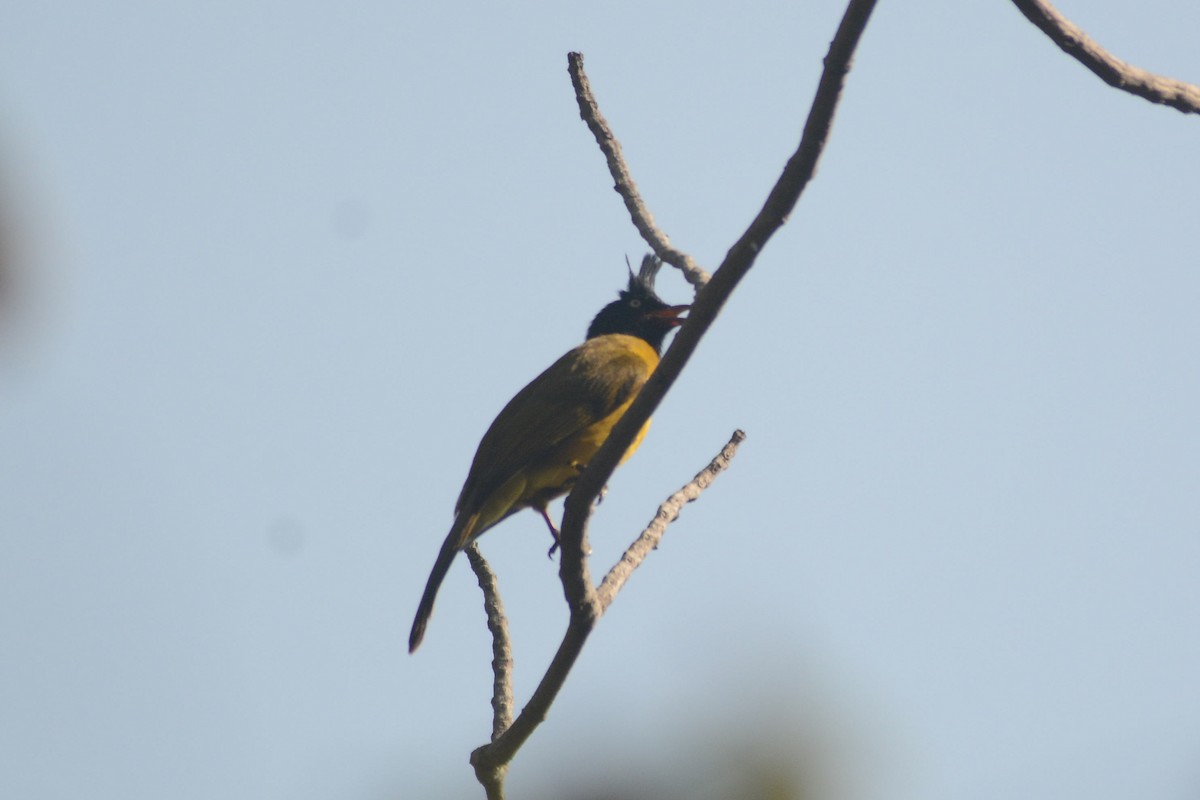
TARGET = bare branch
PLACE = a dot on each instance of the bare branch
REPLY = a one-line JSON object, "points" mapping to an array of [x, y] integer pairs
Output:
{"points": [[502, 662], [738, 261], [585, 610], [643, 220], [668, 512], [490, 761], [1112, 70], [491, 777]]}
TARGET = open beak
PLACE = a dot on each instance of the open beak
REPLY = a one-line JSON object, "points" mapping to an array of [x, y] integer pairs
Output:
{"points": [[670, 315]]}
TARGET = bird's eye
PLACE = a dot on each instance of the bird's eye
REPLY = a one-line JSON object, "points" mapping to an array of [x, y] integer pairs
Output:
{"points": [[635, 303]]}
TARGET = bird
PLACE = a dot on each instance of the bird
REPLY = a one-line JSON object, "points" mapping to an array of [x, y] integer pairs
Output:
{"points": [[538, 445]]}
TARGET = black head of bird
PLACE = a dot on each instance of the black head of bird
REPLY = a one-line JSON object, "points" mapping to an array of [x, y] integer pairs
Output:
{"points": [[639, 311], [543, 439]]}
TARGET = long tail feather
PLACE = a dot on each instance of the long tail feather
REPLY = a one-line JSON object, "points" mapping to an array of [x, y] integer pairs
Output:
{"points": [[459, 536]]}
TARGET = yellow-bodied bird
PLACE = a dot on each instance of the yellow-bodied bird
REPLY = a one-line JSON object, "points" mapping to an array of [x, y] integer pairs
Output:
{"points": [[539, 444]]}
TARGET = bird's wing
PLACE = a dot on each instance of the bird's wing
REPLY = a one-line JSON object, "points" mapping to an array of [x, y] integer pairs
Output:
{"points": [[582, 387]]}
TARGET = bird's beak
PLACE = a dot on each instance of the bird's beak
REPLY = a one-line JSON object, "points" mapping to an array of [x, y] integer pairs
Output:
{"points": [[670, 315]]}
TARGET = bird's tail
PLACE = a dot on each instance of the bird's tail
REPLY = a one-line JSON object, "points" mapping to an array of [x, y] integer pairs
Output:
{"points": [[459, 536]]}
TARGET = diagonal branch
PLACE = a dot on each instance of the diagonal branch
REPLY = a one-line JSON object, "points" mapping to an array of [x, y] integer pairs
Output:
{"points": [[667, 513], [643, 220], [1112, 70], [738, 261]]}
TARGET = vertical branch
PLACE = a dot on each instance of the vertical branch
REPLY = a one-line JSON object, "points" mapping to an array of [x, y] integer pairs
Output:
{"points": [[502, 662]]}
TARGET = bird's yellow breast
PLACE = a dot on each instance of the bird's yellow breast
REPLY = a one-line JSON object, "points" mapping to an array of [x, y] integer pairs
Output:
{"points": [[558, 471], [547, 434]]}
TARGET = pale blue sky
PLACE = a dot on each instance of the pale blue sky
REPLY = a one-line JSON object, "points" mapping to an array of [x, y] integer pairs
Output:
{"points": [[291, 258]]}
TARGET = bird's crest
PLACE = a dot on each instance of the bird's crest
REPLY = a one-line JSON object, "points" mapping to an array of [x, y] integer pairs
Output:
{"points": [[643, 281]]}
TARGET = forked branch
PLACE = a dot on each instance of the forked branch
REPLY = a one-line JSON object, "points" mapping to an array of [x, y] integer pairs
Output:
{"points": [[623, 182], [585, 602], [738, 261], [491, 761]]}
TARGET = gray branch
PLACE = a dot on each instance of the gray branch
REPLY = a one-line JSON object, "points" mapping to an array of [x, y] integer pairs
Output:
{"points": [[502, 662], [623, 182], [667, 513], [1112, 70], [583, 599]]}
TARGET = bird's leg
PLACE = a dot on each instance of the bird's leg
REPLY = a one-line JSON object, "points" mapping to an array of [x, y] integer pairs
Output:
{"points": [[553, 530]]}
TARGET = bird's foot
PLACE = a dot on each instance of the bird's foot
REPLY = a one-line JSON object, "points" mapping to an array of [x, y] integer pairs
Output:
{"points": [[553, 531]]}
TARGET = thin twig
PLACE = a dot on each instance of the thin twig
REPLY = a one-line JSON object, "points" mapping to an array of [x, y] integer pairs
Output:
{"points": [[491, 774], [1112, 70], [502, 662], [667, 513], [643, 220]]}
